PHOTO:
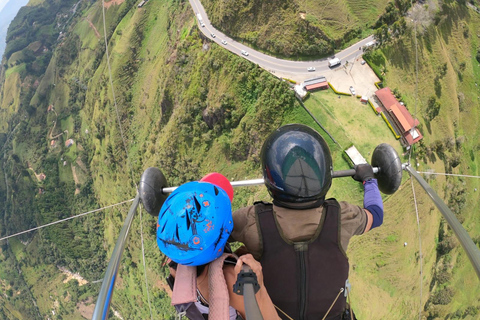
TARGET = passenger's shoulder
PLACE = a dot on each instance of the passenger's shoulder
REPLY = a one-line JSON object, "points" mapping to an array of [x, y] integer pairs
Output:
{"points": [[349, 211]]}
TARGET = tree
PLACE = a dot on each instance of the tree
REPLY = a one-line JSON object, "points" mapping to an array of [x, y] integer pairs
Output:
{"points": [[433, 109]]}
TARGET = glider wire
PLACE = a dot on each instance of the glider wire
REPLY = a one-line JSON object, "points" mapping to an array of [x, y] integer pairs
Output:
{"points": [[409, 162], [113, 94], [125, 148], [450, 174], [420, 253], [66, 219]]}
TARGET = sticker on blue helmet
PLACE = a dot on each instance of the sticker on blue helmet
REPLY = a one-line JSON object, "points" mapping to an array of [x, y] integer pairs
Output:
{"points": [[194, 223]]}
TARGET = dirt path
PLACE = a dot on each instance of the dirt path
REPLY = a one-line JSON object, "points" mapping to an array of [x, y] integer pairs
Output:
{"points": [[70, 276], [108, 4], [36, 175], [93, 27], [81, 164], [53, 129], [58, 135], [77, 190]]}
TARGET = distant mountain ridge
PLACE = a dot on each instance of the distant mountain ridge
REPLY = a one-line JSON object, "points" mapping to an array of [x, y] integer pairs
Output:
{"points": [[7, 14]]}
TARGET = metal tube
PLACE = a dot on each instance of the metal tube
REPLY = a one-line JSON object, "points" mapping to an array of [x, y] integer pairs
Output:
{"points": [[106, 291], [246, 183], [343, 173], [468, 245], [260, 181], [252, 310], [349, 172]]}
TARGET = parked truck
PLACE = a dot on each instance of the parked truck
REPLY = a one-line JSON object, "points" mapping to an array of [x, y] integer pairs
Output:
{"points": [[333, 62], [200, 20]]}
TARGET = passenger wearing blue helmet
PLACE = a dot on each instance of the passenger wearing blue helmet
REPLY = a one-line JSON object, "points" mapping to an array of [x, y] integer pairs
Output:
{"points": [[192, 230], [303, 231]]}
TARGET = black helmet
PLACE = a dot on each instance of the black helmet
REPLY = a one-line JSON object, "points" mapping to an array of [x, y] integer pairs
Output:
{"points": [[296, 164]]}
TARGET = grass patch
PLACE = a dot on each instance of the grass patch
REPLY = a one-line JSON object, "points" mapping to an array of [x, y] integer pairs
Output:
{"points": [[69, 125], [351, 122], [20, 69]]}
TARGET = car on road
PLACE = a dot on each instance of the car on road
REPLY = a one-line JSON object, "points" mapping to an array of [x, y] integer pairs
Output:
{"points": [[245, 53], [310, 69], [363, 62], [224, 42], [213, 35], [352, 90], [202, 24]]}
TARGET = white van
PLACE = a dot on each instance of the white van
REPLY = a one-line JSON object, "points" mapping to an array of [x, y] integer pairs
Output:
{"points": [[334, 62]]}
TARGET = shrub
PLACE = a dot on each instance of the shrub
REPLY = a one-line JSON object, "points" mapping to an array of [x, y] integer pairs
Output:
{"points": [[433, 108], [443, 276], [374, 109], [446, 245], [470, 311], [443, 296], [338, 92]]}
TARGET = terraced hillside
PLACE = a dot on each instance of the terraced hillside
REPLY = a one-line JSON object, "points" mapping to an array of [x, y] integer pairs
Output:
{"points": [[436, 75]]}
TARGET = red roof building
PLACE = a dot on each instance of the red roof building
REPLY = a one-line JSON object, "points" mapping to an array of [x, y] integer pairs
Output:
{"points": [[401, 119], [317, 86], [319, 83], [69, 143]]}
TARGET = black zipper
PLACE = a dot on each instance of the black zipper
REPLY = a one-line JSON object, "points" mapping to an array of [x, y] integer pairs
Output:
{"points": [[302, 248]]}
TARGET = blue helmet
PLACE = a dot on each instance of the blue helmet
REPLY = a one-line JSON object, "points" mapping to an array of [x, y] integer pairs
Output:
{"points": [[194, 223]]}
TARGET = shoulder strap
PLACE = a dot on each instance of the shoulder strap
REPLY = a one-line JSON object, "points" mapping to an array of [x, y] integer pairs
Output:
{"points": [[260, 208], [219, 299], [185, 292], [261, 203], [332, 201], [185, 286]]}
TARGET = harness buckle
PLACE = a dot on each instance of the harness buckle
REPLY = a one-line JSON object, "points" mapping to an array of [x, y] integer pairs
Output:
{"points": [[181, 314]]}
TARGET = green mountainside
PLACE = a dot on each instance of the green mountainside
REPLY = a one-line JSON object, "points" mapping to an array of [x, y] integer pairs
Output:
{"points": [[190, 107], [297, 28]]}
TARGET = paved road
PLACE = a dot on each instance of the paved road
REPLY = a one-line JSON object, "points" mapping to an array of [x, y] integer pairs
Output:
{"points": [[270, 63]]}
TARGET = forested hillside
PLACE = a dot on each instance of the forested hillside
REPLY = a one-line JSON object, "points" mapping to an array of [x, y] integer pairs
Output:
{"points": [[190, 107], [185, 105], [302, 28]]}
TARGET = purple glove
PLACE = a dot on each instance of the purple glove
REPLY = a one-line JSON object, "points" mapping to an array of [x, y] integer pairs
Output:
{"points": [[372, 201]]}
